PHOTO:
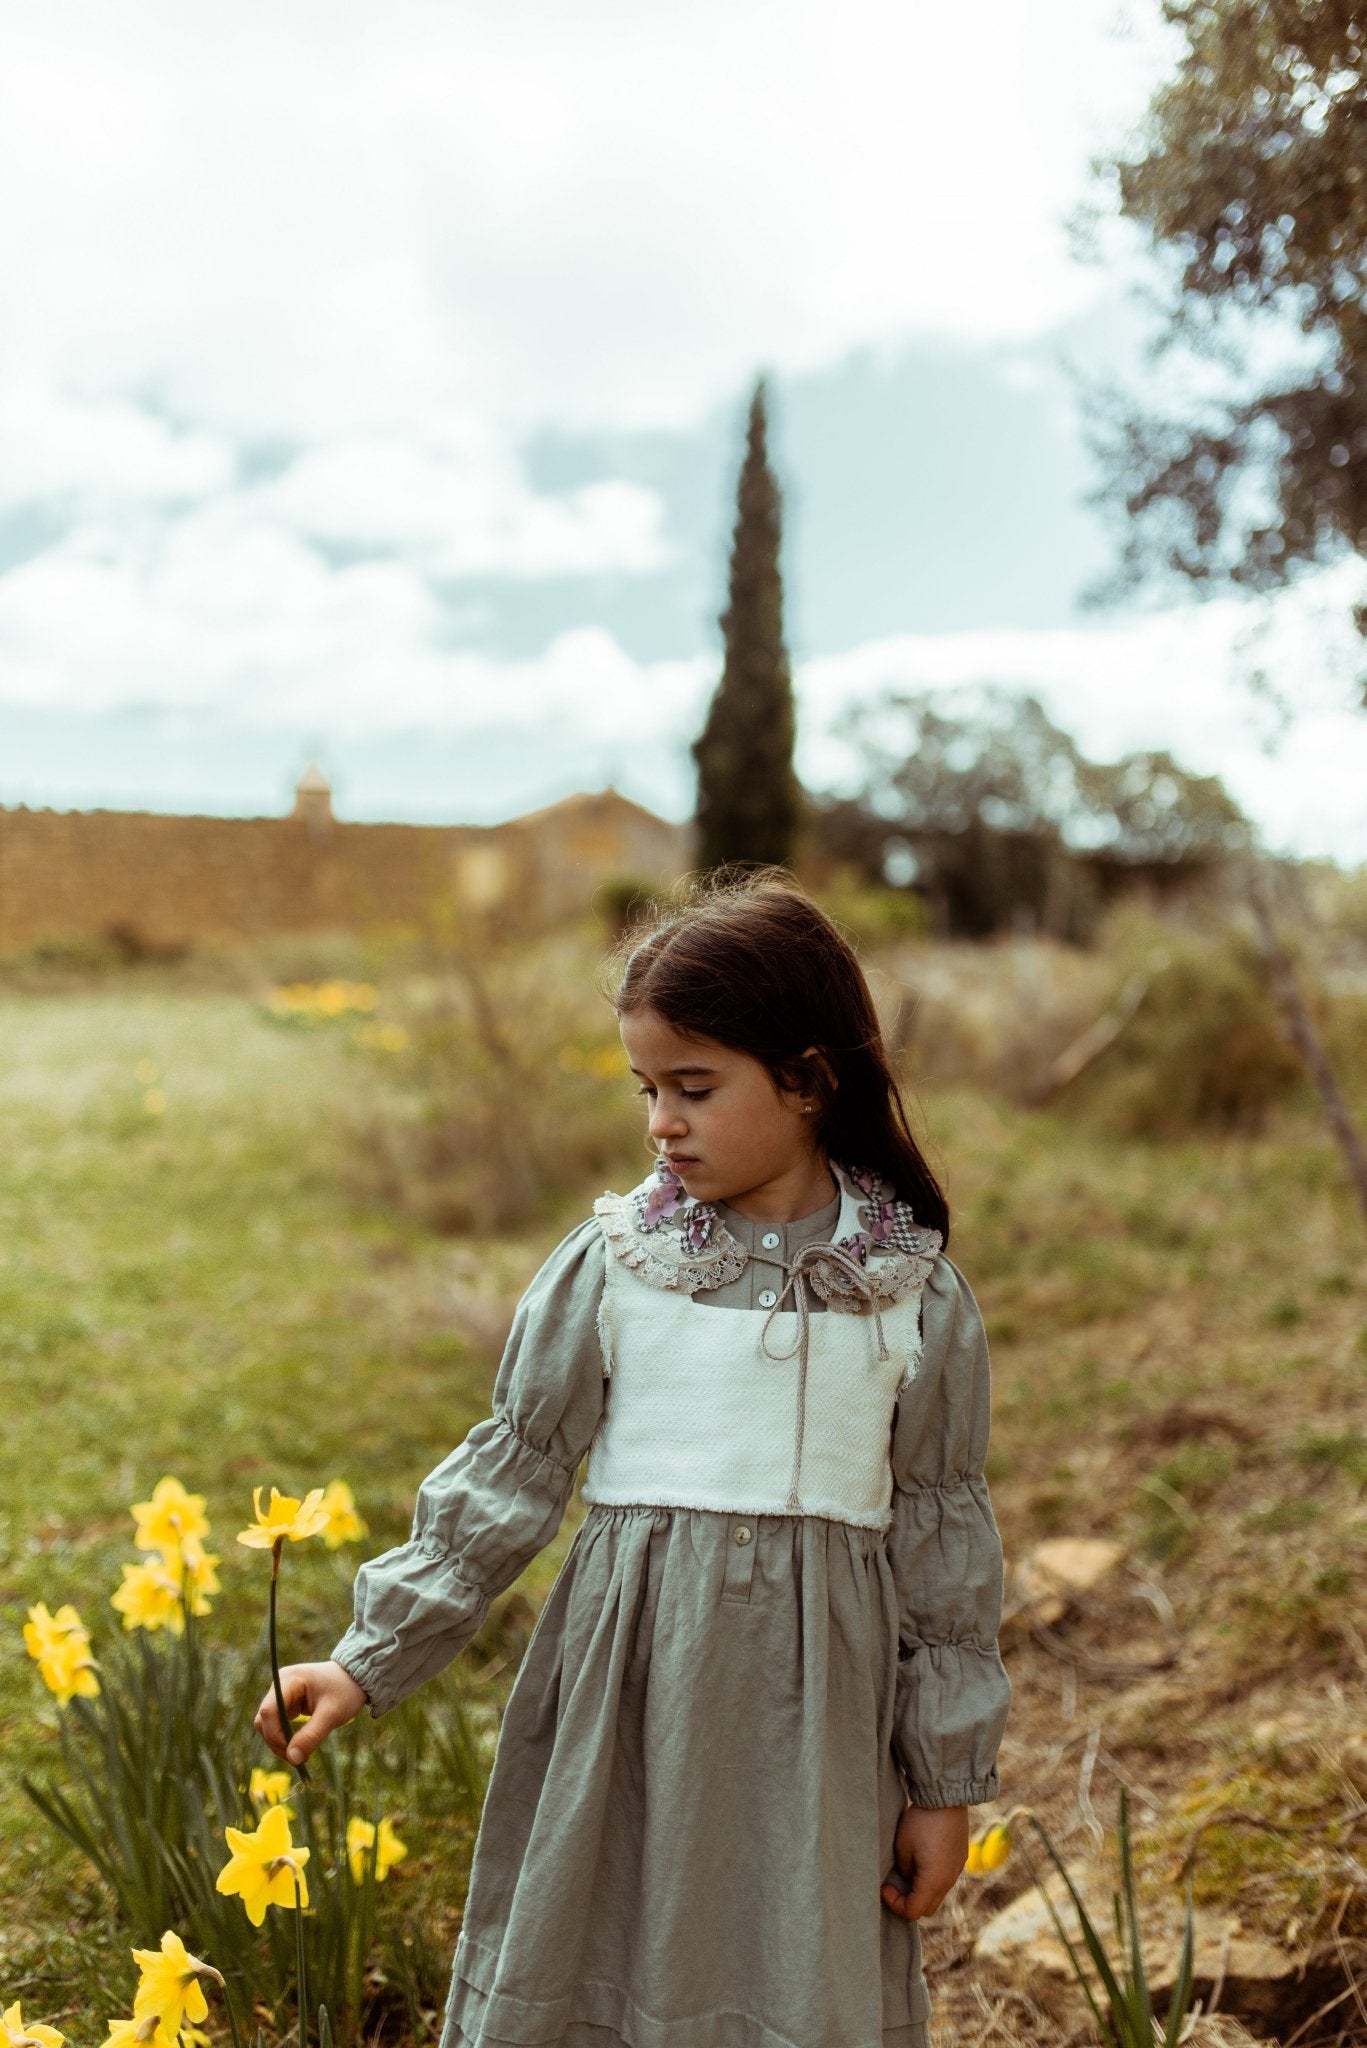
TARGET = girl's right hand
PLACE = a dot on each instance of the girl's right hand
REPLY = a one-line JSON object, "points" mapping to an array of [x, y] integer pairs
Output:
{"points": [[326, 1692]]}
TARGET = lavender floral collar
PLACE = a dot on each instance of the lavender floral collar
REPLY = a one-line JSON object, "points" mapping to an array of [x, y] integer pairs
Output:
{"points": [[674, 1241]]}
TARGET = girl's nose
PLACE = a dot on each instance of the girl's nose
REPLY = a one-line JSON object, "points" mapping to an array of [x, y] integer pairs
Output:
{"points": [[666, 1122]]}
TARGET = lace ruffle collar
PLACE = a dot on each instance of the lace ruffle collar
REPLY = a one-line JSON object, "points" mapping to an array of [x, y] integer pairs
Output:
{"points": [[673, 1241]]}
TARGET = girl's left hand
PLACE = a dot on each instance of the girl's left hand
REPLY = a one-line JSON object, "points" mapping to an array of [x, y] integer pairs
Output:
{"points": [[929, 1851]]}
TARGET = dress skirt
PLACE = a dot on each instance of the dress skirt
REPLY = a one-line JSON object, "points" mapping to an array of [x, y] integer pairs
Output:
{"points": [[694, 1798]]}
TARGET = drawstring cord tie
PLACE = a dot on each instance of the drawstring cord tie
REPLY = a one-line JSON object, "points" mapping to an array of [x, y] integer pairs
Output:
{"points": [[796, 1281]]}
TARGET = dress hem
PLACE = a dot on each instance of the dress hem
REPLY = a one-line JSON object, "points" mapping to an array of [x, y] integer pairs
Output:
{"points": [[599, 2014]]}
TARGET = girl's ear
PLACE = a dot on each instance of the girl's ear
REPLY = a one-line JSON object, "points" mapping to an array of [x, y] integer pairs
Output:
{"points": [[808, 1077], [817, 1058]]}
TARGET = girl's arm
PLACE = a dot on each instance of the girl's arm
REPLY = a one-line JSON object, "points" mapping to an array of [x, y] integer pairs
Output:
{"points": [[952, 1688], [498, 1499]]}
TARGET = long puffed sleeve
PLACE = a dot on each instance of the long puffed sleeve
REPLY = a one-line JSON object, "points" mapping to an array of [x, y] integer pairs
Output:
{"points": [[952, 1688], [498, 1499]]}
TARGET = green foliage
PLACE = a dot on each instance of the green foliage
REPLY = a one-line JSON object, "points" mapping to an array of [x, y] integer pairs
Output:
{"points": [[1006, 822], [1249, 183], [1204, 1050], [1117, 1989], [876, 916], [749, 802], [513, 1091], [1344, 1452], [622, 902], [158, 1766]]}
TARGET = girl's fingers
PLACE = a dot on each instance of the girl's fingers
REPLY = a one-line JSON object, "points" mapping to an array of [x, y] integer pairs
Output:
{"points": [[914, 1898], [326, 1716], [267, 1721], [326, 1693]]}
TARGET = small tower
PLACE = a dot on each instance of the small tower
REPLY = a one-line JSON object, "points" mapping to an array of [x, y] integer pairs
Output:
{"points": [[313, 799]]}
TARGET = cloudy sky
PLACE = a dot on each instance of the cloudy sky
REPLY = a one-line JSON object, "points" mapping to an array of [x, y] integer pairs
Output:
{"points": [[372, 384]]}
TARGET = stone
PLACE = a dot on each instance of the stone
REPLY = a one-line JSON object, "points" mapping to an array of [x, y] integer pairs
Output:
{"points": [[1047, 1582], [1021, 1936], [1254, 1976]]}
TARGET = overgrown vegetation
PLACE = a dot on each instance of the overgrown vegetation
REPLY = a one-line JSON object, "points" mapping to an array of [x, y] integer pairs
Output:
{"points": [[244, 1284]]}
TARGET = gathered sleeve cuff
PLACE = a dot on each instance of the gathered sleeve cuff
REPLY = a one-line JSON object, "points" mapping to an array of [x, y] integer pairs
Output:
{"points": [[499, 1498], [952, 1690]]}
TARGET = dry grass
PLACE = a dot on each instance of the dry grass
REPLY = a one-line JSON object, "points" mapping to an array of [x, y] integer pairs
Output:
{"points": [[236, 1289]]}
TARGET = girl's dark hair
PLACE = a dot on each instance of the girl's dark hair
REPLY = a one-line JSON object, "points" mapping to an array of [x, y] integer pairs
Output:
{"points": [[754, 964]]}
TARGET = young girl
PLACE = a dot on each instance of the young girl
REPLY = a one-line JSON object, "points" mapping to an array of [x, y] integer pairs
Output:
{"points": [[734, 1770]]}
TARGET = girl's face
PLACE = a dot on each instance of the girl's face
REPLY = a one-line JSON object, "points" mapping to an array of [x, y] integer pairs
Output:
{"points": [[723, 1123]]}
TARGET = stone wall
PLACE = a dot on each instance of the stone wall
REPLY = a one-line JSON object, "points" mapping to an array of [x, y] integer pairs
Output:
{"points": [[161, 883]]}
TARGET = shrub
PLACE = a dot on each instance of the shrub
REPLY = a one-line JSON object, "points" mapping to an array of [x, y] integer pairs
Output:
{"points": [[512, 1090], [1205, 1048]]}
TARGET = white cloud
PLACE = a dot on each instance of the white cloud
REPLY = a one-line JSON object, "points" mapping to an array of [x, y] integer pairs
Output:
{"points": [[247, 624], [243, 619], [460, 505], [318, 220], [394, 242], [79, 455]]}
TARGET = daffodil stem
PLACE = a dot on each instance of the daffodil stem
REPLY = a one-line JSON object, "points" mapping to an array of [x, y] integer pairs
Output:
{"points": [[232, 2018], [275, 1659], [303, 1975]]}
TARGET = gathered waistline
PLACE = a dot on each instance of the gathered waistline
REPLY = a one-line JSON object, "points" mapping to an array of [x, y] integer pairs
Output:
{"points": [[667, 1509]]}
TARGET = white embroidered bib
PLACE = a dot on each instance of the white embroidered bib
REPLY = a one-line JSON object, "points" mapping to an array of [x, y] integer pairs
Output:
{"points": [[698, 1414]]}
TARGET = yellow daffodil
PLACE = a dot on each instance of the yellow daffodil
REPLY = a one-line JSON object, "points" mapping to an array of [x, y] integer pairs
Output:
{"points": [[149, 1597], [268, 1788], [172, 1515], [343, 1524], [60, 1645], [360, 1840], [44, 1632], [169, 1988], [194, 2037], [265, 1866], [316, 1000], [284, 1517], [69, 1674], [974, 1864], [996, 1847], [147, 2032], [199, 1576], [17, 2035]]}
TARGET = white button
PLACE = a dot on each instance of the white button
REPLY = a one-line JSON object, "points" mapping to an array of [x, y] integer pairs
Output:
{"points": [[742, 1535], [767, 1298], [770, 1240]]}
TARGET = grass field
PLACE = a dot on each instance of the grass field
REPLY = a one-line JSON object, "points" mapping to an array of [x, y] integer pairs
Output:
{"points": [[215, 1287]]}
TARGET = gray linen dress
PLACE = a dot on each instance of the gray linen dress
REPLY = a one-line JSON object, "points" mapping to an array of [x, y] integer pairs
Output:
{"points": [[718, 1718]]}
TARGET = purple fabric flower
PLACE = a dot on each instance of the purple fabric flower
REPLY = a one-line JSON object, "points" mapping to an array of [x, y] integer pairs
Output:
{"points": [[663, 1199], [696, 1225], [882, 1218], [865, 1180], [856, 1245]]}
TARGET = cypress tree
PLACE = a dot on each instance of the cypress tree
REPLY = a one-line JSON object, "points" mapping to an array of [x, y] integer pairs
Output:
{"points": [[749, 801]]}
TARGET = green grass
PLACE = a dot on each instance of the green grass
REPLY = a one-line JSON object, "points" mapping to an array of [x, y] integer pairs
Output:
{"points": [[220, 1291], [210, 1292]]}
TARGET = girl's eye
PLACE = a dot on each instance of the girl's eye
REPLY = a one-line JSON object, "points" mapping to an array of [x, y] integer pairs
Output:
{"points": [[688, 1094]]}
